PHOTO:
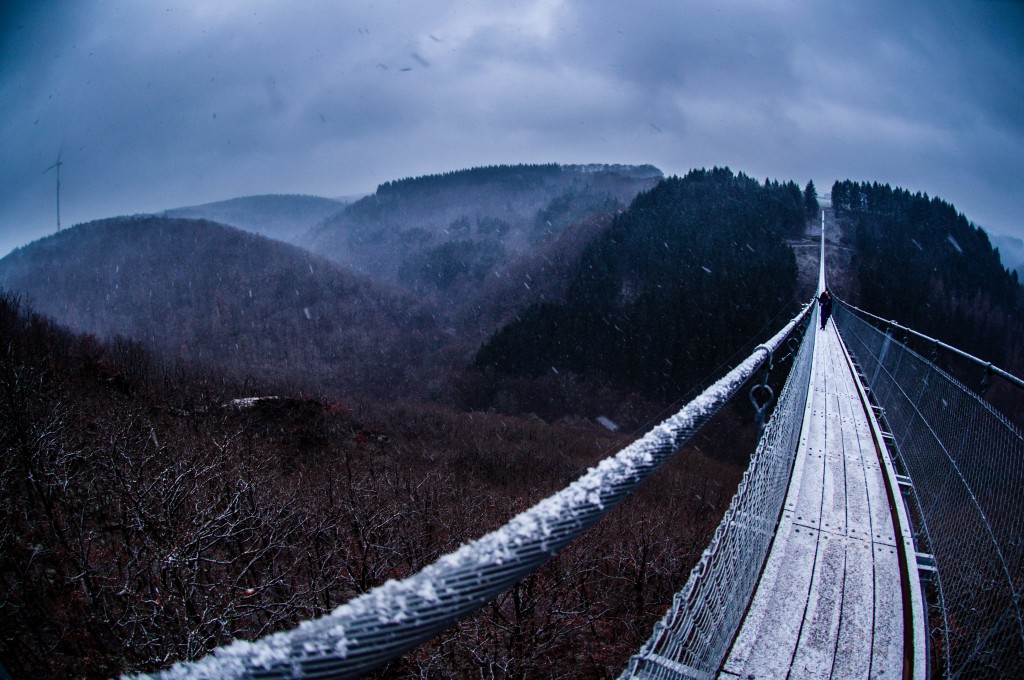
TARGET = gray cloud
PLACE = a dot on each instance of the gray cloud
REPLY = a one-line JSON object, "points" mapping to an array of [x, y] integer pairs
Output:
{"points": [[180, 103]]}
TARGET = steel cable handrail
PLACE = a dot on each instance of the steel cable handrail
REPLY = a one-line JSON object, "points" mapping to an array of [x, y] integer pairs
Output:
{"points": [[693, 638], [987, 365], [965, 463], [385, 622]]}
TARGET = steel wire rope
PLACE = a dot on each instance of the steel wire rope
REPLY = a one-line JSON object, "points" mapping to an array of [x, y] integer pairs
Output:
{"points": [[379, 625], [989, 367], [966, 487], [693, 637], [877, 355], [876, 350], [746, 348]]}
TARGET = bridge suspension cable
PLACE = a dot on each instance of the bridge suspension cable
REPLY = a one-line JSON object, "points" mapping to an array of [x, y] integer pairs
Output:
{"points": [[694, 636], [963, 468], [987, 366], [381, 624]]}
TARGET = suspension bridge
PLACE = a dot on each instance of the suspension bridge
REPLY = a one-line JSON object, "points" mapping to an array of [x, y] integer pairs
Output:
{"points": [[875, 534]]}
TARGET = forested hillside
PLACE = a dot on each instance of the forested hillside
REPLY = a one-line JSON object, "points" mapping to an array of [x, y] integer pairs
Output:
{"points": [[917, 260], [443, 234], [693, 270], [152, 511], [197, 290], [468, 249]]}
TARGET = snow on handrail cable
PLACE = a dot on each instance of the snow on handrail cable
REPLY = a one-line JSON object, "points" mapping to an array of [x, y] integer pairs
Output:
{"points": [[377, 626]]}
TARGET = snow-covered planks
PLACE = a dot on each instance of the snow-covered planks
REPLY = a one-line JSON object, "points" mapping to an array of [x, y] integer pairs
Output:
{"points": [[829, 602]]}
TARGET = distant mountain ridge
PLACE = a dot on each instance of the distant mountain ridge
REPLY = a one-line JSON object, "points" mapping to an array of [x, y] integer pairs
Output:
{"points": [[437, 230], [279, 216], [547, 289], [208, 292], [1011, 251], [217, 295], [517, 173]]}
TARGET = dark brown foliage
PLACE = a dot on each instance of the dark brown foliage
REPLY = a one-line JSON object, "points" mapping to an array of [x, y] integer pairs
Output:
{"points": [[149, 516]]}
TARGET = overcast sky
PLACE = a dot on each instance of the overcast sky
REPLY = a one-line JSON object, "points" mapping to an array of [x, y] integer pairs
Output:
{"points": [[161, 105]]}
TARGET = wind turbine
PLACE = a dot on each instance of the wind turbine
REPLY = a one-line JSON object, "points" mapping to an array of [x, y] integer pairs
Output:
{"points": [[57, 165]]}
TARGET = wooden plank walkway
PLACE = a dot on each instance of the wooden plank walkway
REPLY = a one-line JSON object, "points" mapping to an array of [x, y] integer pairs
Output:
{"points": [[829, 603]]}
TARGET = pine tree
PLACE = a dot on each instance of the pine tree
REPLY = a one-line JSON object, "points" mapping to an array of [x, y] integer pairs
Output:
{"points": [[811, 200]]}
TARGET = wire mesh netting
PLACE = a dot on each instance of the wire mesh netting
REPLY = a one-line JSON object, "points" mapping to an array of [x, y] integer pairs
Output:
{"points": [[368, 631], [692, 639], [966, 464]]}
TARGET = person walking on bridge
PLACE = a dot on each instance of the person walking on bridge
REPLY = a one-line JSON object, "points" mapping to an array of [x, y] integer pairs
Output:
{"points": [[825, 303]]}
